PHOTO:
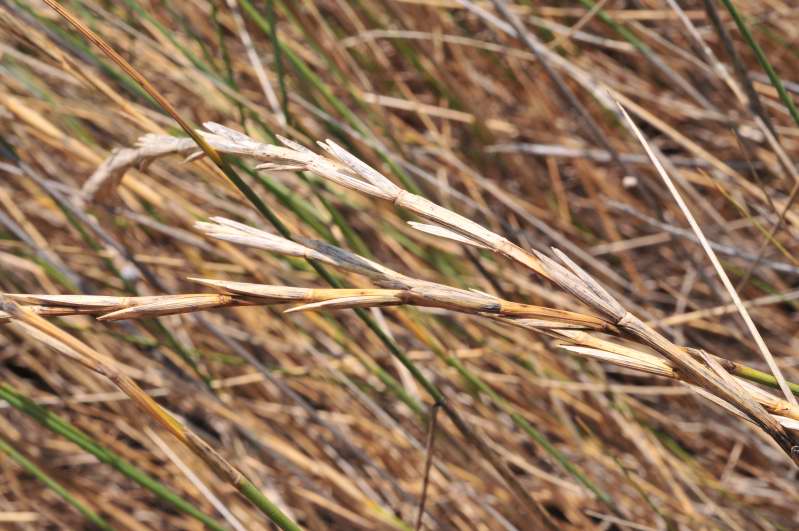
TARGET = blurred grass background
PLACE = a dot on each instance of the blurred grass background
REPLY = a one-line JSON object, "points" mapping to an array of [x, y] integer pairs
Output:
{"points": [[444, 97]]}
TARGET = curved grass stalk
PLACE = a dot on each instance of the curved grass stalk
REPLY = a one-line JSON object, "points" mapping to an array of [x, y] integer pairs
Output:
{"points": [[35, 326], [63, 428], [346, 170]]}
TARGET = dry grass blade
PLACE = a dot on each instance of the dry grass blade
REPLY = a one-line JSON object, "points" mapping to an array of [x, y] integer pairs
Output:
{"points": [[750, 324], [631, 358], [66, 344], [575, 280], [474, 235]]}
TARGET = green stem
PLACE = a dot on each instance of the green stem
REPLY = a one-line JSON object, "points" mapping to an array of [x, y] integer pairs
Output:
{"points": [[252, 493], [764, 378], [103, 454], [52, 484], [761, 58]]}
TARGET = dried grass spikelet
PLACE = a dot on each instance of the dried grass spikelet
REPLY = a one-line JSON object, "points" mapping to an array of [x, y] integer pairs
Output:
{"points": [[171, 305], [570, 327], [587, 345], [67, 345], [521, 315], [343, 168], [571, 278]]}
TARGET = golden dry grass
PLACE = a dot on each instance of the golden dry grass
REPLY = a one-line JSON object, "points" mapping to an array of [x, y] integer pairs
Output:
{"points": [[504, 257]]}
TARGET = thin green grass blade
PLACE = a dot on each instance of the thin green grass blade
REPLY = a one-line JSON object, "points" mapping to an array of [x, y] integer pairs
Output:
{"points": [[52, 484], [64, 428], [763, 60]]}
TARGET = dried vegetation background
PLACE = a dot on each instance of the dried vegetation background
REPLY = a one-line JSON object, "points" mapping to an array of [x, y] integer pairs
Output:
{"points": [[462, 380]]}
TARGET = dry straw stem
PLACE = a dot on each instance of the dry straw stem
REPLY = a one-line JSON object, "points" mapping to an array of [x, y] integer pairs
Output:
{"points": [[357, 175], [566, 326], [563, 325], [556, 323], [343, 168], [413, 292], [38, 328], [136, 75], [247, 294], [581, 285], [750, 325]]}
